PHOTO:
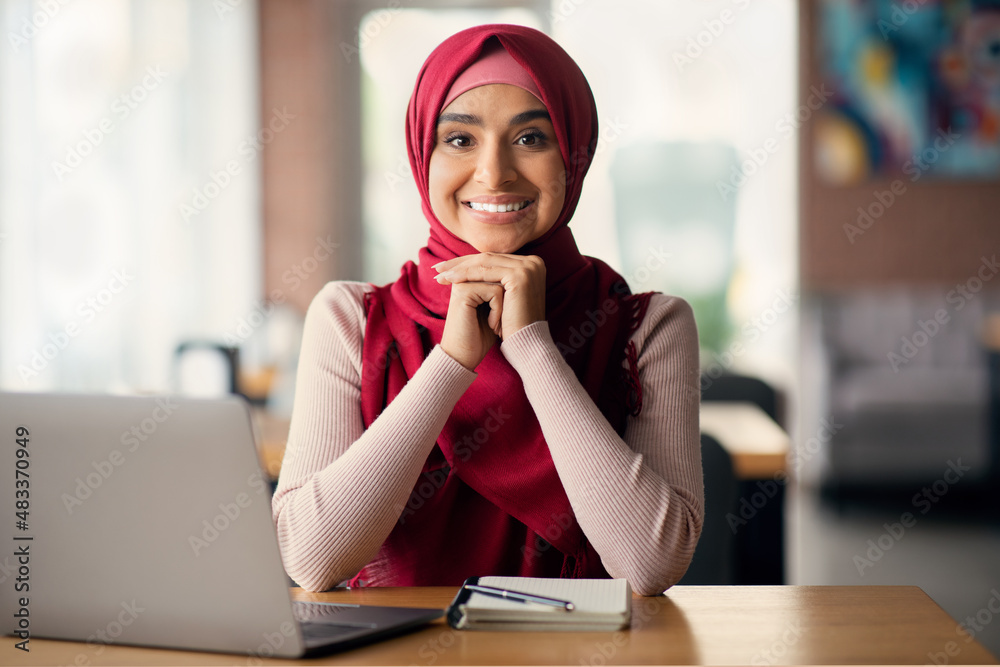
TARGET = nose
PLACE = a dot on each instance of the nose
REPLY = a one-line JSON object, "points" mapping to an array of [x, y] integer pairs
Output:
{"points": [[494, 166]]}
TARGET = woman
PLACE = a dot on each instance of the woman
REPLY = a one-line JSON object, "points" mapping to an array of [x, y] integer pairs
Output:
{"points": [[506, 406]]}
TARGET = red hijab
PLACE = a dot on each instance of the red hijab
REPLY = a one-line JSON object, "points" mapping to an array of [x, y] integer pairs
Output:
{"points": [[489, 500]]}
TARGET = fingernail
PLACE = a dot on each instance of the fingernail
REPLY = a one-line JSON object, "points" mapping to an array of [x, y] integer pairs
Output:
{"points": [[444, 275], [435, 267]]}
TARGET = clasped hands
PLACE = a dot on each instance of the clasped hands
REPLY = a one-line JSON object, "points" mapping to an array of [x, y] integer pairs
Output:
{"points": [[493, 296]]}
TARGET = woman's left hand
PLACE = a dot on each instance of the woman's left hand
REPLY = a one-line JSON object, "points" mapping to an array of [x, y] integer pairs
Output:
{"points": [[522, 278]]}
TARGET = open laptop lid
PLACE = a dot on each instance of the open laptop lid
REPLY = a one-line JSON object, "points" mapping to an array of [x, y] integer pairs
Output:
{"points": [[137, 537]]}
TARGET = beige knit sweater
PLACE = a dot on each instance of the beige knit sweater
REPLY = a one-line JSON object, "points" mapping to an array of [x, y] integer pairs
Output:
{"points": [[640, 500]]}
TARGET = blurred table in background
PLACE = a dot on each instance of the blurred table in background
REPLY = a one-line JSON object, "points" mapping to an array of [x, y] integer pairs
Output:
{"points": [[272, 435], [758, 446]]}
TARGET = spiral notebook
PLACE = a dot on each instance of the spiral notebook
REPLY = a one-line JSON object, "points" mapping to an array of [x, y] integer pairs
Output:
{"points": [[600, 605]]}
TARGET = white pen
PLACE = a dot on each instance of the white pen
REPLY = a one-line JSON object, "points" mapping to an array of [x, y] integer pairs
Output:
{"points": [[517, 596]]}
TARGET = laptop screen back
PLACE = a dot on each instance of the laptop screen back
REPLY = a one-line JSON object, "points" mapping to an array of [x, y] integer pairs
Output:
{"points": [[150, 523]]}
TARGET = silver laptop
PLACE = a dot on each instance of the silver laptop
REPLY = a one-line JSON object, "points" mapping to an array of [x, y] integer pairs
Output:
{"points": [[147, 521]]}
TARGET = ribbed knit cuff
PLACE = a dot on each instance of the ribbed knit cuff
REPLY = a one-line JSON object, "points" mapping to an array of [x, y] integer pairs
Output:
{"points": [[444, 377], [531, 345]]}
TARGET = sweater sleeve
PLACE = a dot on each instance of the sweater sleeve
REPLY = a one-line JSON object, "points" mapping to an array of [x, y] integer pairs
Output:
{"points": [[639, 500], [341, 487]]}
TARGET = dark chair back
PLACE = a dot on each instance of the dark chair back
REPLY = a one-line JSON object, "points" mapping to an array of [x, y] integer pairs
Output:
{"points": [[730, 387], [712, 564]]}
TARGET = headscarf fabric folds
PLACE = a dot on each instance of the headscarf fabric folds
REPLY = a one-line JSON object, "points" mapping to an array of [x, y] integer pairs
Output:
{"points": [[489, 500]]}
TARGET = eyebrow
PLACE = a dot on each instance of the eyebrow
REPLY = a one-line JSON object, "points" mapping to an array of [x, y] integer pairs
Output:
{"points": [[472, 119]]}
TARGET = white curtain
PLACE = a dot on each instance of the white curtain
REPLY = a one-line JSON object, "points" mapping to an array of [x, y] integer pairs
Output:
{"points": [[130, 213]]}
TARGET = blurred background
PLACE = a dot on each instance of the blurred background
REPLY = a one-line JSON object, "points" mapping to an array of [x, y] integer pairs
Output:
{"points": [[179, 178]]}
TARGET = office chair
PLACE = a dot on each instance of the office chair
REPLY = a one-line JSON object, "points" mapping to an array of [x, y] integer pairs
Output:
{"points": [[713, 562], [732, 387], [759, 543]]}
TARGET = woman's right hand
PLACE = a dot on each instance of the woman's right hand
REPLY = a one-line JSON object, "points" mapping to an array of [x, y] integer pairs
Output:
{"points": [[472, 324]]}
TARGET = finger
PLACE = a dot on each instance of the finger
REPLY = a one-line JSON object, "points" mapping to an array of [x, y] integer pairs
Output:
{"points": [[475, 294], [446, 264], [502, 269], [496, 311]]}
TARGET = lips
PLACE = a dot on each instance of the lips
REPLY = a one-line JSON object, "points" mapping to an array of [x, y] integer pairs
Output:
{"points": [[499, 210]]}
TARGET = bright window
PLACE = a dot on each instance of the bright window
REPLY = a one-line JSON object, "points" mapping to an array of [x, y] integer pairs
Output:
{"points": [[129, 187]]}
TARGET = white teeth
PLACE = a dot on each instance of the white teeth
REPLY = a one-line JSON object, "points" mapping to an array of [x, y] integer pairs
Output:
{"points": [[498, 208]]}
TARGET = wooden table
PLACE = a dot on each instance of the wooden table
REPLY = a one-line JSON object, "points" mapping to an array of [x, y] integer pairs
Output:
{"points": [[272, 436], [691, 625], [758, 445]]}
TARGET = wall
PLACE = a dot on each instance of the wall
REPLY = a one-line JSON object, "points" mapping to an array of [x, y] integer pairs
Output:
{"points": [[935, 232], [311, 201]]}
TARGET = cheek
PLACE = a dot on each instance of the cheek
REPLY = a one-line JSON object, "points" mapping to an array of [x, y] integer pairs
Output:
{"points": [[554, 184], [442, 179], [435, 179]]}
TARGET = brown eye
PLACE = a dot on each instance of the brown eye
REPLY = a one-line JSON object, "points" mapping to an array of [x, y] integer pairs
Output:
{"points": [[531, 139], [458, 140]]}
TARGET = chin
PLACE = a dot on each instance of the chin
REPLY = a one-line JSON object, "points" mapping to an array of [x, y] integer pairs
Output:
{"points": [[495, 249], [498, 246]]}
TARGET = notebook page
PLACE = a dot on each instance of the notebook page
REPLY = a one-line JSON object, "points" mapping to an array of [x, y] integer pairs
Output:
{"points": [[599, 596]]}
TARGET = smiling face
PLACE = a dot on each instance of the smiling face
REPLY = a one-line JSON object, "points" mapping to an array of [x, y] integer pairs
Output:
{"points": [[496, 179]]}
